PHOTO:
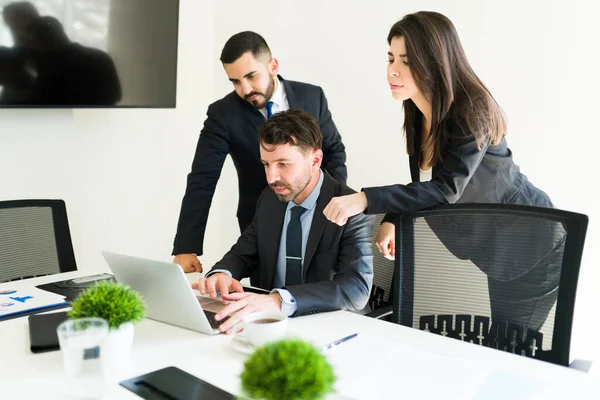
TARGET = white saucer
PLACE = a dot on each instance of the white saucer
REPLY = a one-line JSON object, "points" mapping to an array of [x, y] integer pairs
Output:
{"points": [[242, 345]]}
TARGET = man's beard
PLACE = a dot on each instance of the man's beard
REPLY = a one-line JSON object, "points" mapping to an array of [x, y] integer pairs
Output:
{"points": [[294, 189], [267, 95]]}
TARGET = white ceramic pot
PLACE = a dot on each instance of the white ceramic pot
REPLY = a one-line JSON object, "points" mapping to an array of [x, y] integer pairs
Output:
{"points": [[117, 351]]}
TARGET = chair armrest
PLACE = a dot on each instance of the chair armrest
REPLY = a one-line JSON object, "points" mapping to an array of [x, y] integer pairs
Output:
{"points": [[380, 313]]}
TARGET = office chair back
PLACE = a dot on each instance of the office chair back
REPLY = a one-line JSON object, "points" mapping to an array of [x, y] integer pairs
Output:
{"points": [[502, 276], [34, 239]]}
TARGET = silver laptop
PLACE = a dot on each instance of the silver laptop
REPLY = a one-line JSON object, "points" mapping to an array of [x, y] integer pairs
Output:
{"points": [[168, 294]]}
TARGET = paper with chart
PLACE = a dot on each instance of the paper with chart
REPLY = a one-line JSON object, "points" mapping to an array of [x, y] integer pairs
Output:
{"points": [[24, 299]]}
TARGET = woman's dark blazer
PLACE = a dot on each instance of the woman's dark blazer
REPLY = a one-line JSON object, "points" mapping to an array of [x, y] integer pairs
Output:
{"points": [[469, 174]]}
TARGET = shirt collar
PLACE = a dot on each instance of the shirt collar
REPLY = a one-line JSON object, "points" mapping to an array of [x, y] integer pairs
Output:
{"points": [[310, 202]]}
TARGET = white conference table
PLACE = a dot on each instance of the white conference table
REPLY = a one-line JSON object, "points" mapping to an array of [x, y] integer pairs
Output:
{"points": [[385, 361]]}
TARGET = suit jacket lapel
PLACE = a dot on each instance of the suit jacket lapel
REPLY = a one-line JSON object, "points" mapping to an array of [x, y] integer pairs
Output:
{"points": [[293, 100], [272, 237], [319, 221]]}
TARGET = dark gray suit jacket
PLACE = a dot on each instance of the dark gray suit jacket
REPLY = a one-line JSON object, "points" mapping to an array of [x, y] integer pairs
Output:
{"points": [[469, 174], [231, 129], [338, 262]]}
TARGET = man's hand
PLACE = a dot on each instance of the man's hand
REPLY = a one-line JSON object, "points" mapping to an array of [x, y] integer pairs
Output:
{"points": [[244, 304], [341, 208], [220, 282], [188, 262], [386, 240]]}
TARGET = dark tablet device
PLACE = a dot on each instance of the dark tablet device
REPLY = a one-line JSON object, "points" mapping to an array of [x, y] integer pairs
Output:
{"points": [[175, 384]]}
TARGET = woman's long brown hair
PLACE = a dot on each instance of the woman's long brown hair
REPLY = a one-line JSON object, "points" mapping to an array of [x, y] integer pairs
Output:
{"points": [[442, 72]]}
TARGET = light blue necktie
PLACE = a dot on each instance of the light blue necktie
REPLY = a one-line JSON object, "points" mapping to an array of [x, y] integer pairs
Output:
{"points": [[269, 109]]}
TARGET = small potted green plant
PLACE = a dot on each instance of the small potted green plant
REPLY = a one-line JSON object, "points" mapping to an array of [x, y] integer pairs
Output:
{"points": [[289, 369], [121, 307]]}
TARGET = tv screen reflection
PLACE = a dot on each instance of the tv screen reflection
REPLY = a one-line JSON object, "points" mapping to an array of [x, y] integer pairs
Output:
{"points": [[88, 53]]}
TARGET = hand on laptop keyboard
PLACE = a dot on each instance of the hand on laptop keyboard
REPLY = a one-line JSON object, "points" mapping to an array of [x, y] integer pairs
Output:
{"points": [[243, 304], [219, 282]]}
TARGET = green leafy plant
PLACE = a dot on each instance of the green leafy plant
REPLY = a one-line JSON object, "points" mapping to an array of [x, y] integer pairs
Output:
{"points": [[114, 302], [289, 369]]}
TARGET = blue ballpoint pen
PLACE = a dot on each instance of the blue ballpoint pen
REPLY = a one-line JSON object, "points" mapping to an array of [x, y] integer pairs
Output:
{"points": [[337, 342]]}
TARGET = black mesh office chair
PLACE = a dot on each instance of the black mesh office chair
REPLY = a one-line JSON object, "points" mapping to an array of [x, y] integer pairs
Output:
{"points": [[34, 239], [496, 275]]}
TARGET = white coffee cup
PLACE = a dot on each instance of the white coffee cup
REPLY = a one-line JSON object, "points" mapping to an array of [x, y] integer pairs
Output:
{"points": [[263, 327]]}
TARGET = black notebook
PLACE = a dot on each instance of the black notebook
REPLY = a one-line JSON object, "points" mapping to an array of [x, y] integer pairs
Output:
{"points": [[42, 331]]}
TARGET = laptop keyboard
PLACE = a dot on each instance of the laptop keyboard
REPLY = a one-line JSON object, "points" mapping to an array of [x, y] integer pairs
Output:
{"points": [[211, 319]]}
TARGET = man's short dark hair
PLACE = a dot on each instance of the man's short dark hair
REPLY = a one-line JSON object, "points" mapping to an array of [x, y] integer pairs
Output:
{"points": [[244, 42], [295, 127]]}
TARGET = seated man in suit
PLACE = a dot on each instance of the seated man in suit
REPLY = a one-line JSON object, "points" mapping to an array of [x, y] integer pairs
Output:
{"points": [[309, 264]]}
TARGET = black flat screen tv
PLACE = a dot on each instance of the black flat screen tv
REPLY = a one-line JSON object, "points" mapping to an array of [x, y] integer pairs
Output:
{"points": [[88, 53]]}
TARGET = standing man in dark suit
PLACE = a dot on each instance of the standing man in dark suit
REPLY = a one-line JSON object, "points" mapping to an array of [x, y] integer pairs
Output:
{"points": [[309, 264], [231, 128]]}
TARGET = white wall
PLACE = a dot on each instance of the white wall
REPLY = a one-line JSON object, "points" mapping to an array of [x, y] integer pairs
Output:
{"points": [[537, 58]]}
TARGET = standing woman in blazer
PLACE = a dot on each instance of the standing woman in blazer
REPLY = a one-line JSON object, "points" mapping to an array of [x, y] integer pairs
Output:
{"points": [[458, 154]]}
